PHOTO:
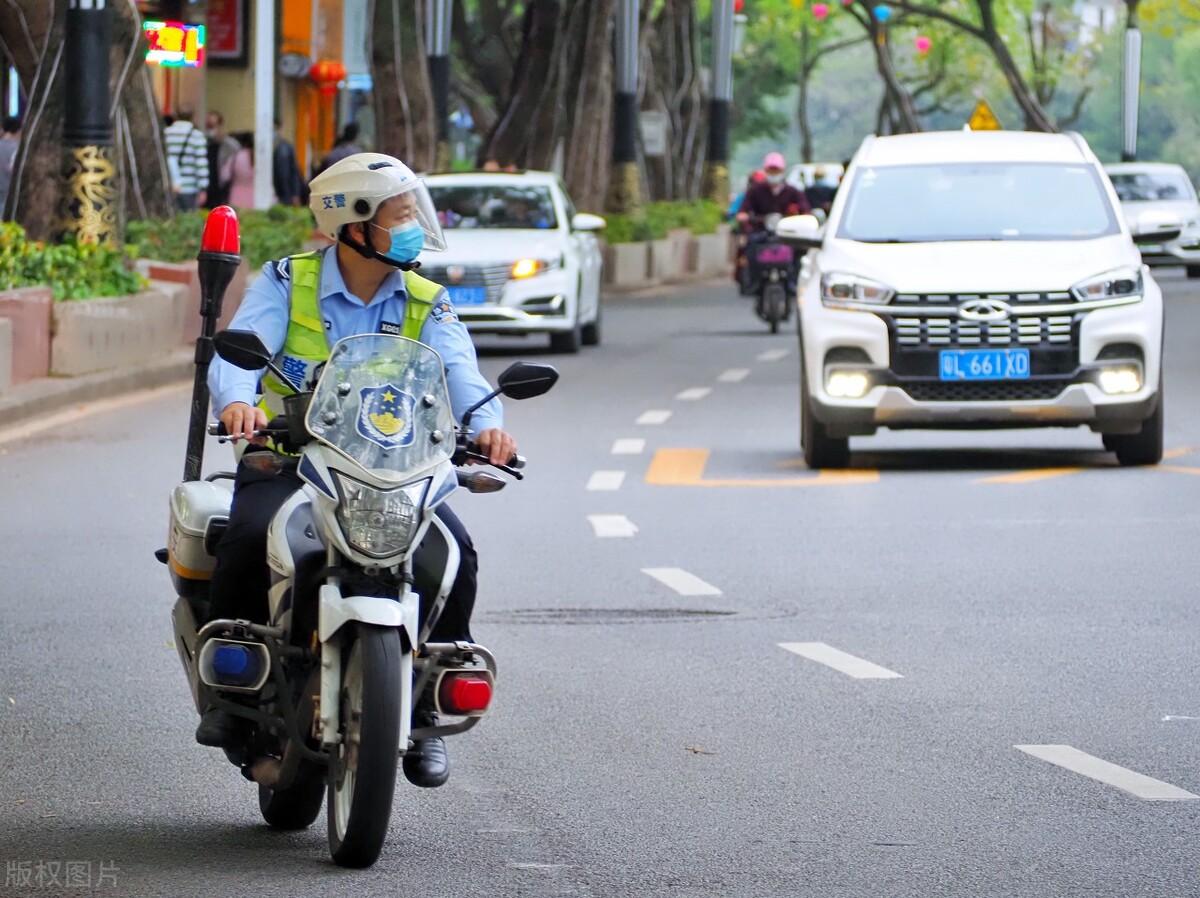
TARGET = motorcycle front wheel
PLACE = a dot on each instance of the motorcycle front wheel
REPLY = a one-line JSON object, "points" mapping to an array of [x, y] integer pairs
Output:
{"points": [[362, 775]]}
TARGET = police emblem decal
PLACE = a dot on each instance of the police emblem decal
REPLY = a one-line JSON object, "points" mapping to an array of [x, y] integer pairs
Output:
{"points": [[442, 312], [385, 416]]}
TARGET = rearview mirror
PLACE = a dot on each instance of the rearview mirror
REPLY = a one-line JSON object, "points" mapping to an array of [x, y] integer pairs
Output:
{"points": [[524, 380], [804, 230], [585, 221], [243, 349]]}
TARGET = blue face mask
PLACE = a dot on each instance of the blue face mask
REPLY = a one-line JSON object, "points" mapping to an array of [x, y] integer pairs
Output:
{"points": [[407, 240]]}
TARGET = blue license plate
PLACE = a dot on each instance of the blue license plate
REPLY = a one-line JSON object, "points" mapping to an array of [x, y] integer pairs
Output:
{"points": [[467, 296], [984, 364]]}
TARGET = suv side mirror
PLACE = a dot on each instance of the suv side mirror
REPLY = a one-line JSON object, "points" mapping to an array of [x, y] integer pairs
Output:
{"points": [[804, 230], [524, 380], [243, 349]]}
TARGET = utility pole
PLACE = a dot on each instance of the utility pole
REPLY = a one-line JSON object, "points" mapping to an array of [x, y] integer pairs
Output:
{"points": [[438, 17], [625, 193], [90, 211], [1131, 93], [716, 168], [264, 102]]}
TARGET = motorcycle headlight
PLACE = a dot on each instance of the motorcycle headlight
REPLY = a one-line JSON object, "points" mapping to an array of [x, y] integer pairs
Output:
{"points": [[378, 523], [1116, 284], [839, 289]]}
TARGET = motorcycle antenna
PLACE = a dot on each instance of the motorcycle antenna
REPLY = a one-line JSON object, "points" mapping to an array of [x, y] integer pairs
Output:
{"points": [[218, 261]]}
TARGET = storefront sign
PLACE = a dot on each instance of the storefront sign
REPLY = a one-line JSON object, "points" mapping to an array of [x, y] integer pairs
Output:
{"points": [[175, 44], [227, 39]]}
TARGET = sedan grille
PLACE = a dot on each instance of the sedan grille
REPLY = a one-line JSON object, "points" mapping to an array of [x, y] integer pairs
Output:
{"points": [[492, 277]]}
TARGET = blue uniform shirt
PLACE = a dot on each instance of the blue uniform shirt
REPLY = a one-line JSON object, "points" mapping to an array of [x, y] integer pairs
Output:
{"points": [[265, 311]]}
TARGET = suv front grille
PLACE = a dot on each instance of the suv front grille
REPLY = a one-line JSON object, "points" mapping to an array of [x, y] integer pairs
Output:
{"points": [[984, 391], [925, 300], [492, 277], [1026, 330]]}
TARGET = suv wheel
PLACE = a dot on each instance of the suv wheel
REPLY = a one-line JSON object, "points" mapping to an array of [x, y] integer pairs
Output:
{"points": [[1144, 447], [590, 334], [1193, 271], [820, 449]]}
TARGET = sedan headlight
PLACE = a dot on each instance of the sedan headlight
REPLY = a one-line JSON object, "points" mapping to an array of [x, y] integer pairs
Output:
{"points": [[527, 268], [378, 523], [839, 289], [1117, 284]]}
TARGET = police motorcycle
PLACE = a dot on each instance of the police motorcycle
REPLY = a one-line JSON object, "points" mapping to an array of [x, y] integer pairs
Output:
{"points": [[360, 572], [771, 263]]}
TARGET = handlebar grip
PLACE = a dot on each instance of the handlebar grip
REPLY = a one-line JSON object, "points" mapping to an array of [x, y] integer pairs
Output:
{"points": [[217, 430], [517, 462]]}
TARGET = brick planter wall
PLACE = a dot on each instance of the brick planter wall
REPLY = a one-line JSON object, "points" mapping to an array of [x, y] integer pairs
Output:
{"points": [[98, 334], [186, 275], [30, 310]]}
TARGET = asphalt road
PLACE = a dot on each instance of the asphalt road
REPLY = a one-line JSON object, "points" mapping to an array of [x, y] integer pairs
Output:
{"points": [[652, 737]]}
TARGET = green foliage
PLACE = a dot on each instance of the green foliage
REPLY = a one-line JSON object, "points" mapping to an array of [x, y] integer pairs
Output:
{"points": [[656, 219], [71, 270], [273, 234]]}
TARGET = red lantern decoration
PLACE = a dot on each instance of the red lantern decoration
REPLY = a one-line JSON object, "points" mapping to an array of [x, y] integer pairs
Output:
{"points": [[739, 5], [327, 74]]}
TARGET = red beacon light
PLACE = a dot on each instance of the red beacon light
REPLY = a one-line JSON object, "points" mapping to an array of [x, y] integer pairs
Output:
{"points": [[465, 693], [221, 233]]}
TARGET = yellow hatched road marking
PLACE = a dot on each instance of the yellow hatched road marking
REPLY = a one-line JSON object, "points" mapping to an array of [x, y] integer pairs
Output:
{"points": [[1030, 476], [685, 467]]}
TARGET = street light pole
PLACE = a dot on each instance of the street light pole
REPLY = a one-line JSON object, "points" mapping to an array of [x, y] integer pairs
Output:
{"points": [[716, 168], [625, 194], [1132, 84], [438, 17], [264, 102], [90, 212]]}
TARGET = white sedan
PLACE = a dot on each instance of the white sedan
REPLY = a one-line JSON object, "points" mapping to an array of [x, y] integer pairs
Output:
{"points": [[519, 259], [1156, 196]]}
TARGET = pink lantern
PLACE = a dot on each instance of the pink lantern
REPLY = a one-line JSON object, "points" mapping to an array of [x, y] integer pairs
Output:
{"points": [[924, 44], [847, 2], [820, 10]]}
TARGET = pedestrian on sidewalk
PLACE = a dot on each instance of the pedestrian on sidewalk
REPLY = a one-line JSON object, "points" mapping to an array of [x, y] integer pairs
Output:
{"points": [[346, 145], [285, 171], [221, 148], [10, 142], [241, 172], [187, 148]]}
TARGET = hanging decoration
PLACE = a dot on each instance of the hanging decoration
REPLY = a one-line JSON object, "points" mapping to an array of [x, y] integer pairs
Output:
{"points": [[883, 12], [820, 11], [924, 44], [739, 5]]}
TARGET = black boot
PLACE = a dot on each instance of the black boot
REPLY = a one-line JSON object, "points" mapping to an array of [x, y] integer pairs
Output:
{"points": [[426, 764], [218, 729]]}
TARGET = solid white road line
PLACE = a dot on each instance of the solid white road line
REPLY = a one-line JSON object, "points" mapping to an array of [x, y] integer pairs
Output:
{"points": [[1137, 784], [773, 355], [655, 416], [691, 394], [734, 375], [850, 665], [629, 446], [606, 481], [681, 581], [612, 526]]}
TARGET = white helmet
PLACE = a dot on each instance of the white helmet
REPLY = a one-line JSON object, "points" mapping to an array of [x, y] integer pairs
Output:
{"points": [[354, 188]]}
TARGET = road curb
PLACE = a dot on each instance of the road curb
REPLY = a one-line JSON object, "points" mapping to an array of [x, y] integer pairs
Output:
{"points": [[654, 290], [52, 394]]}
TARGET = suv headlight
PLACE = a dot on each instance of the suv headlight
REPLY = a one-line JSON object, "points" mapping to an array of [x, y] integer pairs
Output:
{"points": [[1116, 284], [839, 289], [378, 523]]}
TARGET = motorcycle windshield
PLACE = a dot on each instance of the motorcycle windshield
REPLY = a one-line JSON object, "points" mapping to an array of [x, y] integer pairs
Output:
{"points": [[382, 402]]}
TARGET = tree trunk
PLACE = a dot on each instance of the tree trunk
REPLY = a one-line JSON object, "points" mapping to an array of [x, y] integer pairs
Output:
{"points": [[33, 31], [510, 138], [407, 126], [806, 67], [671, 84], [903, 108], [588, 91]]}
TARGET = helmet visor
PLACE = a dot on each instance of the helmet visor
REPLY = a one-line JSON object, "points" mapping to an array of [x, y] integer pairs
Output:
{"points": [[416, 203]]}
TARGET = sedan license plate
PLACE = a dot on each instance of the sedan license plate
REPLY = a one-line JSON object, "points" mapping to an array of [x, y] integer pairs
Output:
{"points": [[984, 364], [467, 296]]}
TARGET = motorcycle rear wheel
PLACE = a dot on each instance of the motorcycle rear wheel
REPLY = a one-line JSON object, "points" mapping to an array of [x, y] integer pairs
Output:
{"points": [[774, 297], [362, 775]]}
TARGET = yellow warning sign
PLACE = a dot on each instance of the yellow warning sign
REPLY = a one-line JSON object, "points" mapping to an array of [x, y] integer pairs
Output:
{"points": [[983, 119]]}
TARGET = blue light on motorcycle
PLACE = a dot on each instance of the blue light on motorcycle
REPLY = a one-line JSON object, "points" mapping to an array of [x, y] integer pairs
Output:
{"points": [[235, 665]]}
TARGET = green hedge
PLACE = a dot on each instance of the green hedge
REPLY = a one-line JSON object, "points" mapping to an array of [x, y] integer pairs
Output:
{"points": [[273, 234], [71, 270], [656, 219]]}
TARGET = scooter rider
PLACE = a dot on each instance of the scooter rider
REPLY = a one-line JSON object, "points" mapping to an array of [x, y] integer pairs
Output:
{"points": [[381, 217]]}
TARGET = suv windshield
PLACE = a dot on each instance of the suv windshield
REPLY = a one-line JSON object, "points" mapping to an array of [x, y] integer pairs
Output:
{"points": [[1149, 187], [494, 206], [977, 201]]}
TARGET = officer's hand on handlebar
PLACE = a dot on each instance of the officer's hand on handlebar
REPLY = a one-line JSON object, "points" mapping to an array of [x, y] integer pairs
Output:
{"points": [[241, 420], [497, 445]]}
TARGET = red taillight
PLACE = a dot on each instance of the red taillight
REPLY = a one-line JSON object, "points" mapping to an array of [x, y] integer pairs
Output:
{"points": [[221, 232], [463, 693]]}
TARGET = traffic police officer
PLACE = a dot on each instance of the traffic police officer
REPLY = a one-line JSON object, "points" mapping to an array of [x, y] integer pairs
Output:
{"points": [[381, 217]]}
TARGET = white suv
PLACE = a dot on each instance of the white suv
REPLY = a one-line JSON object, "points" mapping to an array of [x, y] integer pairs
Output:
{"points": [[977, 280]]}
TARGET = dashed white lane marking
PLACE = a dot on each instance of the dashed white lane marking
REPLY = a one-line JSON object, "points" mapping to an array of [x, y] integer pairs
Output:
{"points": [[1136, 784], [655, 416], [681, 581], [773, 355], [606, 481], [629, 446], [734, 375], [850, 665], [612, 526], [691, 394]]}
